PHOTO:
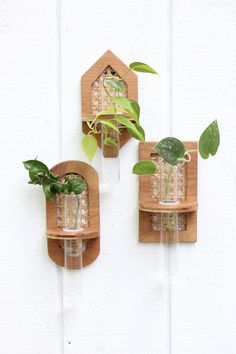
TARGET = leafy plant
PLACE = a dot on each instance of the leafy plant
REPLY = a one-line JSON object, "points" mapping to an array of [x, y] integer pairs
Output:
{"points": [[40, 174], [172, 150], [123, 113]]}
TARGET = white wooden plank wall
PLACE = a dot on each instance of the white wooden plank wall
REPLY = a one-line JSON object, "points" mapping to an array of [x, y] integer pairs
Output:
{"points": [[45, 48]]}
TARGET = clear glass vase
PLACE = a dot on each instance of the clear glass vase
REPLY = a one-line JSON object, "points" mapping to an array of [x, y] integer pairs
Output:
{"points": [[169, 229], [72, 273], [73, 250], [110, 151], [72, 213], [110, 155], [168, 184]]}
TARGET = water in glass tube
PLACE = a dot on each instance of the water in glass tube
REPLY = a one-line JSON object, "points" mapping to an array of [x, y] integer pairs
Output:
{"points": [[72, 273], [72, 213], [110, 145], [73, 249]]}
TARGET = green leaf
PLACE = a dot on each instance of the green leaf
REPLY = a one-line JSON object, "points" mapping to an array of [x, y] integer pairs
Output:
{"points": [[56, 188], [52, 176], [134, 132], [106, 112], [110, 125], [124, 103], [47, 189], [209, 140], [65, 189], [171, 150], [109, 141], [144, 167], [141, 130], [89, 145], [77, 185], [136, 110], [142, 67], [34, 178], [36, 167], [115, 84], [129, 106]]}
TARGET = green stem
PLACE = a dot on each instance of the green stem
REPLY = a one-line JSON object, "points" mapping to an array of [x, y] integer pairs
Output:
{"points": [[170, 222], [167, 182], [52, 180], [103, 84]]}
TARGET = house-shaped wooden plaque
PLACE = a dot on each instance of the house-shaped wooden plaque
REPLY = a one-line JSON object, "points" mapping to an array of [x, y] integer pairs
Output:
{"points": [[95, 99]]}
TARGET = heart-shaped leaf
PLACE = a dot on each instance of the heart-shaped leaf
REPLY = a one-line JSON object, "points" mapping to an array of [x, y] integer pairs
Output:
{"points": [[77, 185], [142, 67], [140, 130], [47, 189], [125, 103], [171, 150], [209, 140], [89, 145], [65, 189], [36, 167], [56, 188], [144, 167], [34, 178], [136, 110], [116, 85], [134, 132]]}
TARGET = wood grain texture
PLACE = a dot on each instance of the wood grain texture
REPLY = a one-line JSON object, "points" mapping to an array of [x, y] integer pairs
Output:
{"points": [[86, 95], [148, 205], [91, 234]]}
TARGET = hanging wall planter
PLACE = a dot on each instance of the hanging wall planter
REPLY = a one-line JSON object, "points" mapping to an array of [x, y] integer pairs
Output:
{"points": [[168, 186], [72, 208], [96, 93], [110, 111], [73, 220], [168, 199]]}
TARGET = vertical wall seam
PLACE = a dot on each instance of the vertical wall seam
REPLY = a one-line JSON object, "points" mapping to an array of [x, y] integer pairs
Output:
{"points": [[169, 21], [59, 73], [170, 66], [59, 110]]}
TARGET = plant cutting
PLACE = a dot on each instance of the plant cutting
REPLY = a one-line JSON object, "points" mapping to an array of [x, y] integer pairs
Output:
{"points": [[123, 113], [172, 154], [40, 174]]}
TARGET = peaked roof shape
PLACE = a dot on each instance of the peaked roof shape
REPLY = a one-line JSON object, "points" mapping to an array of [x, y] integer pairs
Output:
{"points": [[108, 58]]}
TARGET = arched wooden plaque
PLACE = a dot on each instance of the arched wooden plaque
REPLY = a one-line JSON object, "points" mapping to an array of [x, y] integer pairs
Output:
{"points": [[91, 232]]}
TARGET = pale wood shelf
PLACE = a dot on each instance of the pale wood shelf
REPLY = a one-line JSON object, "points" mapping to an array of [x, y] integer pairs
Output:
{"points": [[183, 207], [57, 233]]}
